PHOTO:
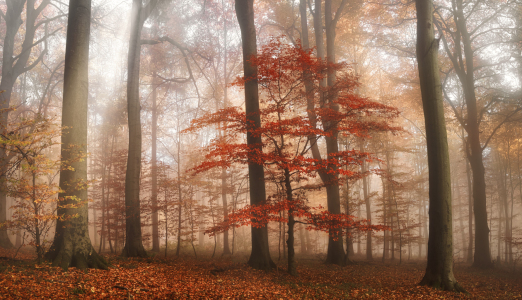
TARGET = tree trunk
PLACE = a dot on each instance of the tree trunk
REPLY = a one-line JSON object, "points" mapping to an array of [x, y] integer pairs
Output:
{"points": [[226, 248], [366, 196], [180, 194], [474, 149], [335, 254], [133, 241], [470, 214], [461, 215], [154, 171], [103, 198], [385, 249], [482, 257], [292, 268], [11, 70], [72, 246], [439, 271], [260, 255]]}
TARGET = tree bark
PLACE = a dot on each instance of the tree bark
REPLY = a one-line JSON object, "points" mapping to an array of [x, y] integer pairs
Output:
{"points": [[335, 251], [72, 246], [335, 254], [226, 248], [180, 194], [154, 171], [133, 241], [366, 191], [260, 255], [439, 271]]}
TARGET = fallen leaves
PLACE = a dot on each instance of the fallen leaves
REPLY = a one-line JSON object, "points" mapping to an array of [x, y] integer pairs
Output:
{"points": [[187, 278]]}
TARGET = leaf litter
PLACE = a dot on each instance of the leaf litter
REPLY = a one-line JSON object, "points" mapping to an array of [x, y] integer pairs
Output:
{"points": [[231, 278]]}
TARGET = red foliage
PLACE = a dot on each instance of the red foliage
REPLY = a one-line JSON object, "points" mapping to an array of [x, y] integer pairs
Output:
{"points": [[286, 132], [314, 217]]}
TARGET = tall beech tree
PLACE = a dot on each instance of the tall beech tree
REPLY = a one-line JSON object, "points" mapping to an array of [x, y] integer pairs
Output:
{"points": [[461, 44], [72, 246], [335, 253], [260, 255], [14, 65], [133, 241], [439, 271]]}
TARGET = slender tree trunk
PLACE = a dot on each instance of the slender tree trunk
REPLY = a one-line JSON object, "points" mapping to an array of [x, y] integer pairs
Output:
{"points": [[470, 214], [503, 201], [499, 233], [392, 226], [366, 196], [180, 194], [398, 224], [226, 248], [103, 199], [154, 161], [385, 249], [260, 255], [292, 268], [474, 151], [421, 237], [72, 246], [461, 215], [439, 271], [39, 249], [508, 212], [166, 212], [133, 240], [109, 193], [284, 235]]}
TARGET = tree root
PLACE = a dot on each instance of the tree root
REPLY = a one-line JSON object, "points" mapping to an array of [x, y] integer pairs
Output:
{"points": [[65, 259]]}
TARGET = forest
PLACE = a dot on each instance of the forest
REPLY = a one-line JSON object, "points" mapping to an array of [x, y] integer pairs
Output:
{"points": [[268, 149]]}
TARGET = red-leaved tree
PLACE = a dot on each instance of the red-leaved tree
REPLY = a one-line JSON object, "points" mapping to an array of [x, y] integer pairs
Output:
{"points": [[287, 134]]}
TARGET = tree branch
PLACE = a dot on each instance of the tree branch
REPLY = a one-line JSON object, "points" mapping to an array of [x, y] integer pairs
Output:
{"points": [[35, 63], [41, 7], [150, 42], [146, 10], [338, 13], [49, 20], [175, 80], [448, 100], [185, 56], [499, 126], [25, 49]]}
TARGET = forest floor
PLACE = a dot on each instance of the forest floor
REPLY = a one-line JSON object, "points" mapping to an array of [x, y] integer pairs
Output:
{"points": [[230, 278]]}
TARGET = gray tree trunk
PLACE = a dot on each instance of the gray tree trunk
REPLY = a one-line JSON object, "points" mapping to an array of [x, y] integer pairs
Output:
{"points": [[260, 255], [133, 241], [226, 247], [471, 244], [72, 246], [439, 271], [335, 253], [154, 171], [367, 202]]}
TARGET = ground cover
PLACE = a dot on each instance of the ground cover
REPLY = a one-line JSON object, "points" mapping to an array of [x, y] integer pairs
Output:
{"points": [[230, 278]]}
